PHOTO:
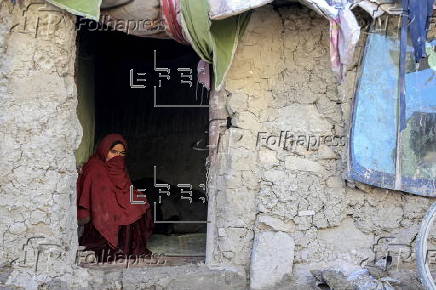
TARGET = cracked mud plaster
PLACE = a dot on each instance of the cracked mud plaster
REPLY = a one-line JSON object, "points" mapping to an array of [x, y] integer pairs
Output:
{"points": [[39, 132], [281, 80]]}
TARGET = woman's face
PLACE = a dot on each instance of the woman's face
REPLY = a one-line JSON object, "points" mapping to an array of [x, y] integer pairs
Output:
{"points": [[117, 150]]}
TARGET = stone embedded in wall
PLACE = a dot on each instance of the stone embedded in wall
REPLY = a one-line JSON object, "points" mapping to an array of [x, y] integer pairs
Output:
{"points": [[302, 164], [241, 205], [334, 182], [265, 222], [271, 260], [245, 120], [355, 248], [236, 246], [235, 102], [325, 152], [268, 158]]}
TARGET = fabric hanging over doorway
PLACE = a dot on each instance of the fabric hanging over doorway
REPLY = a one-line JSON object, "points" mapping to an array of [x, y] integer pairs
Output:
{"points": [[172, 15], [228, 17], [215, 41], [86, 8], [344, 29]]}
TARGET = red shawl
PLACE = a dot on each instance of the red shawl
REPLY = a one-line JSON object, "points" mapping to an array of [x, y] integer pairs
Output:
{"points": [[103, 192]]}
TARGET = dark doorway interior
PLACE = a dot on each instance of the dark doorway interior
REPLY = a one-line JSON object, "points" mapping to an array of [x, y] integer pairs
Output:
{"points": [[166, 140]]}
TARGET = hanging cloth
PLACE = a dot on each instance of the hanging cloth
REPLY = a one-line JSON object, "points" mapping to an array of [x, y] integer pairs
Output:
{"points": [[344, 29], [344, 35], [419, 12], [87, 8], [215, 41]]}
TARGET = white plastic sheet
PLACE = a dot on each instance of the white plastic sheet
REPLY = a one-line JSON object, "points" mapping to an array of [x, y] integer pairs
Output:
{"points": [[344, 35], [373, 9], [220, 9], [322, 8]]}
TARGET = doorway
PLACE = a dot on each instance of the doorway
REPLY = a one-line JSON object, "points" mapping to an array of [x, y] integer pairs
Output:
{"points": [[146, 89]]}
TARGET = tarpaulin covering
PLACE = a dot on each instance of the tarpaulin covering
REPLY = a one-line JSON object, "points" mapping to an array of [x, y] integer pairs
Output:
{"points": [[215, 41], [86, 8]]}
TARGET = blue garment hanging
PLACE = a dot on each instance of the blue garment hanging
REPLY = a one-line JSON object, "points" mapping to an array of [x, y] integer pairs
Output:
{"points": [[419, 12]]}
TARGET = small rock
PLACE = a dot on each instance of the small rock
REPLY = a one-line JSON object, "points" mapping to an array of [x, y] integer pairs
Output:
{"points": [[375, 271], [302, 164], [317, 274], [271, 260], [276, 224], [306, 213], [390, 280], [325, 152], [17, 228], [221, 232], [357, 280], [334, 182], [336, 280]]}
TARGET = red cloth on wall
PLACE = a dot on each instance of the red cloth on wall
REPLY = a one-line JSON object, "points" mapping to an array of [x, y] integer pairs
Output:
{"points": [[103, 194]]}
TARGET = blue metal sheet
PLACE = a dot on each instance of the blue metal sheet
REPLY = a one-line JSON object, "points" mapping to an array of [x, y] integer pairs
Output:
{"points": [[393, 136]]}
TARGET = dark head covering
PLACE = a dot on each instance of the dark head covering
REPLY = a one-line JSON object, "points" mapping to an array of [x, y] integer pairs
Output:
{"points": [[106, 144]]}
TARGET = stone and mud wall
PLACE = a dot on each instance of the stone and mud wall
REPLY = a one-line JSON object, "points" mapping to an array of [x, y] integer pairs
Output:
{"points": [[267, 195], [39, 132], [262, 196]]}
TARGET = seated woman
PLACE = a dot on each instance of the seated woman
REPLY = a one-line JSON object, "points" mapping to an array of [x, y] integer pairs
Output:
{"points": [[113, 225]]}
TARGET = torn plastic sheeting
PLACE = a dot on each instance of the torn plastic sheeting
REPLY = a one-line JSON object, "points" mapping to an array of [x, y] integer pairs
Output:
{"points": [[322, 8], [371, 8], [344, 32], [376, 8], [86, 8], [344, 35]]}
